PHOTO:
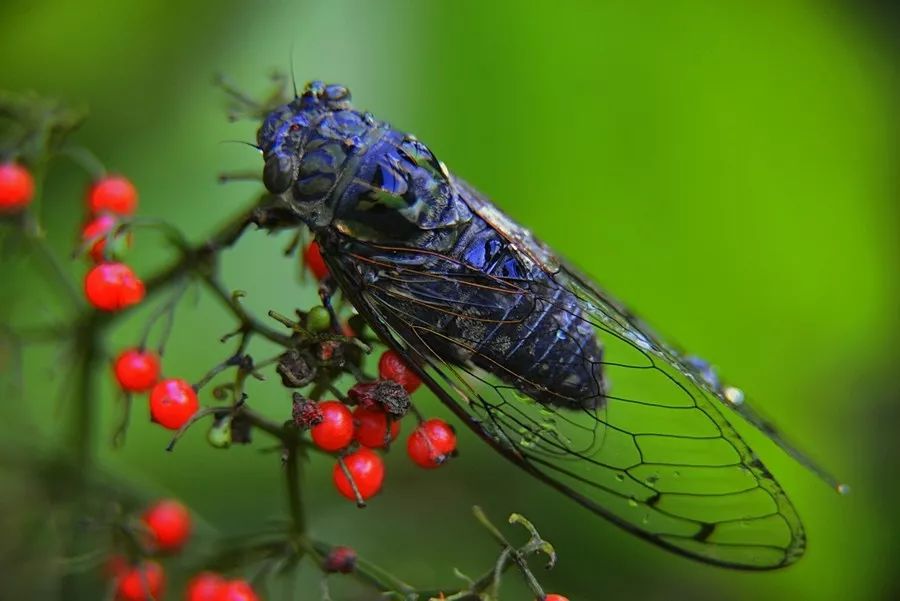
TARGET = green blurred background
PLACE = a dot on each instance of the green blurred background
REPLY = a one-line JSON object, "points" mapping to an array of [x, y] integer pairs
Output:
{"points": [[727, 168]]}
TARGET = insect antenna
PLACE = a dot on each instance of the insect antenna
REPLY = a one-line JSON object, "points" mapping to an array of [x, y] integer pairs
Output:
{"points": [[293, 74], [244, 142]]}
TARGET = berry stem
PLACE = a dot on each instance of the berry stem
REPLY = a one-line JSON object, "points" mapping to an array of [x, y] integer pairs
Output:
{"points": [[38, 241], [292, 473], [167, 310], [122, 427], [85, 159], [88, 342], [360, 502], [216, 411]]}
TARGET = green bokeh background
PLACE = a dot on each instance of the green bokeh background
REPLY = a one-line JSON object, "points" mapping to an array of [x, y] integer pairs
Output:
{"points": [[727, 168]]}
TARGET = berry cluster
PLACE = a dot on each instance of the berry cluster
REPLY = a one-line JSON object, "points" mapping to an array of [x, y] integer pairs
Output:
{"points": [[209, 586], [164, 529], [110, 285], [172, 401], [373, 424]]}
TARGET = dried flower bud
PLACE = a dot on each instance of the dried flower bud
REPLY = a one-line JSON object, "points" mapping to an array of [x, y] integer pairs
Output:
{"points": [[330, 350], [295, 369], [240, 430], [386, 395], [306, 413]]}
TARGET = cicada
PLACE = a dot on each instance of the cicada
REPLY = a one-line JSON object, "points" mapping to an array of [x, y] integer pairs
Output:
{"points": [[547, 368]]}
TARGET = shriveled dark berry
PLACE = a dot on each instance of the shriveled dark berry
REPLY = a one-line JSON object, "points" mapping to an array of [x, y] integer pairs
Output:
{"points": [[295, 369], [306, 413], [340, 560], [386, 395], [241, 429], [331, 351]]}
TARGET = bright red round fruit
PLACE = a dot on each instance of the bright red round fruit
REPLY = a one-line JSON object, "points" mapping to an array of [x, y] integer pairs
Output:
{"points": [[431, 444], [137, 370], [367, 470], [205, 586], [372, 427], [16, 187], [142, 582], [172, 403], [392, 367], [237, 590], [335, 430], [97, 229], [553, 597], [112, 194], [312, 258], [169, 524], [112, 287]]}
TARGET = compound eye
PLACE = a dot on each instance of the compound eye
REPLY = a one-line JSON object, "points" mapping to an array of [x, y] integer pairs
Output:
{"points": [[337, 92], [278, 174]]}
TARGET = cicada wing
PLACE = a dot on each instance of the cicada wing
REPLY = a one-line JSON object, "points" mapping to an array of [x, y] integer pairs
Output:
{"points": [[656, 456]]}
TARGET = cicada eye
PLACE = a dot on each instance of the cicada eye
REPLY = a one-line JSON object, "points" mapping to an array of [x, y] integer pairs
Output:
{"points": [[337, 92], [278, 174]]}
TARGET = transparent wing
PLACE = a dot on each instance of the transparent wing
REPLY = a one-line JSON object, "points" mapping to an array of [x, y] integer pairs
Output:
{"points": [[656, 457]]}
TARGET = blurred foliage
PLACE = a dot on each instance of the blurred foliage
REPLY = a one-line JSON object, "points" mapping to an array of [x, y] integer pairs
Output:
{"points": [[728, 168]]}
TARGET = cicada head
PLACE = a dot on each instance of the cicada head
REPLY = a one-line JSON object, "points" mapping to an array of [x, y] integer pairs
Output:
{"points": [[305, 143]]}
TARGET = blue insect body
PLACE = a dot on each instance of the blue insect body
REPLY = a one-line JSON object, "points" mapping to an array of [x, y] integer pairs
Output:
{"points": [[553, 373]]}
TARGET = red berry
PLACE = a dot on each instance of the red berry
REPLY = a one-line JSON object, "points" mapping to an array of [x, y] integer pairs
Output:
{"points": [[16, 187], [367, 470], [312, 258], [237, 590], [169, 523], [335, 430], [97, 230], [137, 370], [112, 194], [553, 597], [205, 586], [341, 560], [112, 287], [141, 583], [172, 403], [432, 443], [372, 427], [392, 367]]}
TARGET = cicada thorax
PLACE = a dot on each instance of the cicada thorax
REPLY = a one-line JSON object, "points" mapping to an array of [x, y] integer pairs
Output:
{"points": [[424, 247]]}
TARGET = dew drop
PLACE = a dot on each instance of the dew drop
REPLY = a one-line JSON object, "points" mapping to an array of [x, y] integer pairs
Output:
{"points": [[646, 519], [843, 489], [632, 502], [561, 335], [734, 395], [620, 477]]}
